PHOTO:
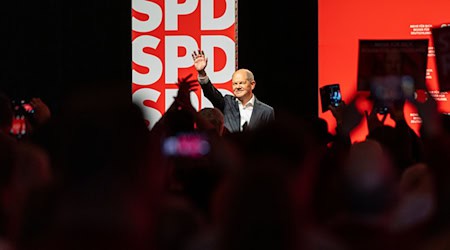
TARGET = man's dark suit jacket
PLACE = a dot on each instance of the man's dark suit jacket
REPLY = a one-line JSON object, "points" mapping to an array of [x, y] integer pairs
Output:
{"points": [[228, 104]]}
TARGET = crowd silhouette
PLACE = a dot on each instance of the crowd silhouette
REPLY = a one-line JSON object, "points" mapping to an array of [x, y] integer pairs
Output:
{"points": [[95, 177]]}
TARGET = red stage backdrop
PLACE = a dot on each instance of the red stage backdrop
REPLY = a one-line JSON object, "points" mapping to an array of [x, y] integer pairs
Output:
{"points": [[343, 23], [164, 34]]}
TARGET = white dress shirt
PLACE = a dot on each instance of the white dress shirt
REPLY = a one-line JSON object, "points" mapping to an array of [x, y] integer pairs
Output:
{"points": [[246, 111]]}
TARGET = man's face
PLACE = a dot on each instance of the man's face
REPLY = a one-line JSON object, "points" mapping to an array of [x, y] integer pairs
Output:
{"points": [[242, 87]]}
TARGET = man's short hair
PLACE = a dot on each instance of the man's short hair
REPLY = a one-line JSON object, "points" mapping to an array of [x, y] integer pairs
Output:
{"points": [[250, 77]]}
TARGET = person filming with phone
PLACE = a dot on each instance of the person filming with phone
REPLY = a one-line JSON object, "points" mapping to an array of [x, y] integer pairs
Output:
{"points": [[242, 110]]}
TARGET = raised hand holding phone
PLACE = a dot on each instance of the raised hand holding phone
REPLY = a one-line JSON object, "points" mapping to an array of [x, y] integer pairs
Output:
{"points": [[373, 121], [21, 112], [330, 95], [430, 115], [347, 115]]}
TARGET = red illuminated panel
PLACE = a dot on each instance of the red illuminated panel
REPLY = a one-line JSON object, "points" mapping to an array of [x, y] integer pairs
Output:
{"points": [[164, 35], [341, 24]]}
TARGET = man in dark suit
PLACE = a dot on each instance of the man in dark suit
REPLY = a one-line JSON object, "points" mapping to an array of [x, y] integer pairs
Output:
{"points": [[242, 110]]}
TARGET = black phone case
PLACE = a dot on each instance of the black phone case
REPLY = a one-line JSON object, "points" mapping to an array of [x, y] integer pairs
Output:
{"points": [[325, 92]]}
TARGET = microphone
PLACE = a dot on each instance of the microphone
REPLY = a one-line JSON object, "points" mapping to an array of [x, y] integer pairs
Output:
{"points": [[244, 126]]}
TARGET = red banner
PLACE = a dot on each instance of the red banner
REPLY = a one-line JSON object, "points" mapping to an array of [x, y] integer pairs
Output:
{"points": [[164, 34]]}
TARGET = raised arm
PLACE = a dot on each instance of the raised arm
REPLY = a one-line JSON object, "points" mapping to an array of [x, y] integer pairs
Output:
{"points": [[200, 62], [210, 92]]}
